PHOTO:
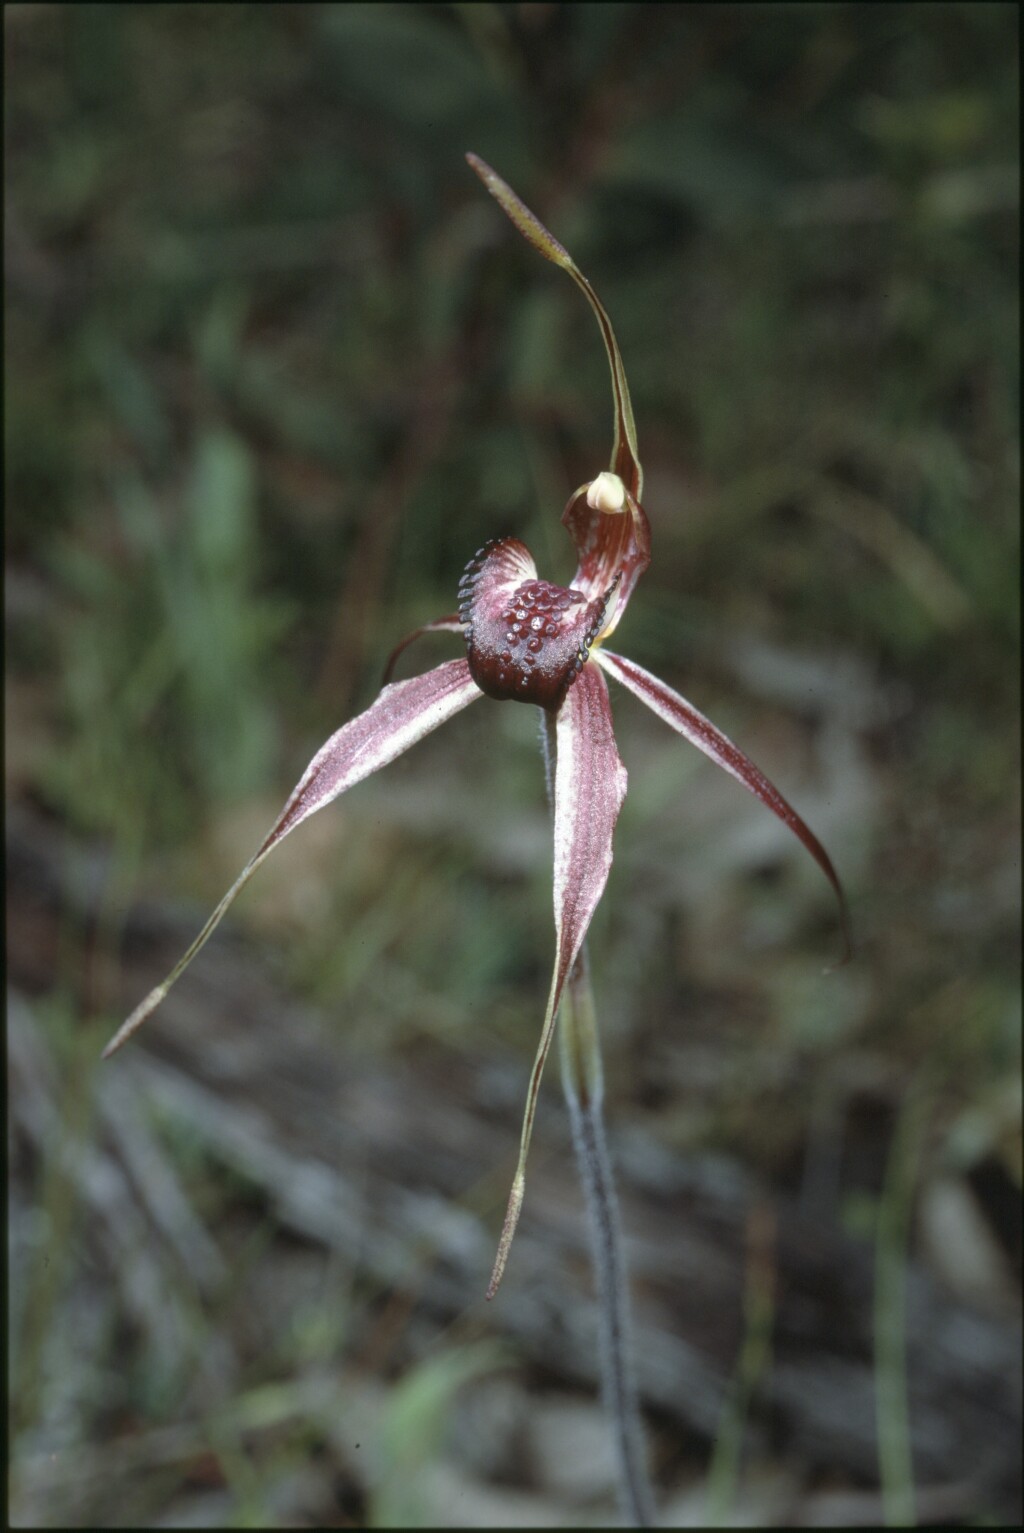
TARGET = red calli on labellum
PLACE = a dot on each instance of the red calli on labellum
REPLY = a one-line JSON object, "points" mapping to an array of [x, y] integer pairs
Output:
{"points": [[530, 641]]}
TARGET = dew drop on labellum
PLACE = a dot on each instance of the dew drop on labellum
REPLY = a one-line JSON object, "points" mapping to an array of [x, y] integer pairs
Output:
{"points": [[503, 610]]}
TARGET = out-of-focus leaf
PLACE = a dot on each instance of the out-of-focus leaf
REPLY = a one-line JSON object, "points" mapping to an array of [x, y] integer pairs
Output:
{"points": [[413, 1430], [129, 390], [701, 155], [221, 505], [397, 59]]}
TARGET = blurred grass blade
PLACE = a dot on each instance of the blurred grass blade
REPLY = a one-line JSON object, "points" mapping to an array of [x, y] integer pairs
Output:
{"points": [[892, 1413], [413, 1428]]}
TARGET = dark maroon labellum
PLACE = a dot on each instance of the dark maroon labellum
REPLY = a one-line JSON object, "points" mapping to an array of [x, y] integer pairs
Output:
{"points": [[526, 639]]}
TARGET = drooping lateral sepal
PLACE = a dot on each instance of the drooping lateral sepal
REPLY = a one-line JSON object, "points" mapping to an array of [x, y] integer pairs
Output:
{"points": [[526, 640], [693, 726], [400, 716]]}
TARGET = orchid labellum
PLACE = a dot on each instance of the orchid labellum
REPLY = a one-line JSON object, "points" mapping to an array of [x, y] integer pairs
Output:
{"points": [[529, 641]]}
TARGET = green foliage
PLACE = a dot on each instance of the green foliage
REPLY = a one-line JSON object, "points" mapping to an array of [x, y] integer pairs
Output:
{"points": [[412, 1430], [166, 635]]}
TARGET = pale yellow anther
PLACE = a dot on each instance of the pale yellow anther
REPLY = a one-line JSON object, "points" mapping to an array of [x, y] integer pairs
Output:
{"points": [[607, 493]]}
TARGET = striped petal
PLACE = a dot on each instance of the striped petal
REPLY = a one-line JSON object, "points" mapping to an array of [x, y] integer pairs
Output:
{"points": [[590, 784], [700, 731], [401, 715], [609, 545]]}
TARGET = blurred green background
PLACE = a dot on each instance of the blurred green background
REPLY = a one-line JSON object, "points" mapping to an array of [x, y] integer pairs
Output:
{"points": [[275, 367]]}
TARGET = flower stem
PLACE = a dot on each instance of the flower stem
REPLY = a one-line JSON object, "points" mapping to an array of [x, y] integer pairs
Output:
{"points": [[583, 1083], [581, 1079]]}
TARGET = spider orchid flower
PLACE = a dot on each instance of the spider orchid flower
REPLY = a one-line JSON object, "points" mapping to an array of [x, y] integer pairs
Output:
{"points": [[529, 641]]}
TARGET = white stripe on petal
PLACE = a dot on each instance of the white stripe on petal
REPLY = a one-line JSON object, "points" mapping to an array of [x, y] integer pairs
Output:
{"points": [[692, 724], [401, 715]]}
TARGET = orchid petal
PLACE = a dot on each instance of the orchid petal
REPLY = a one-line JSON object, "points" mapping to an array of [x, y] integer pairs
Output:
{"points": [[451, 624], [590, 784], [401, 715], [700, 731]]}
